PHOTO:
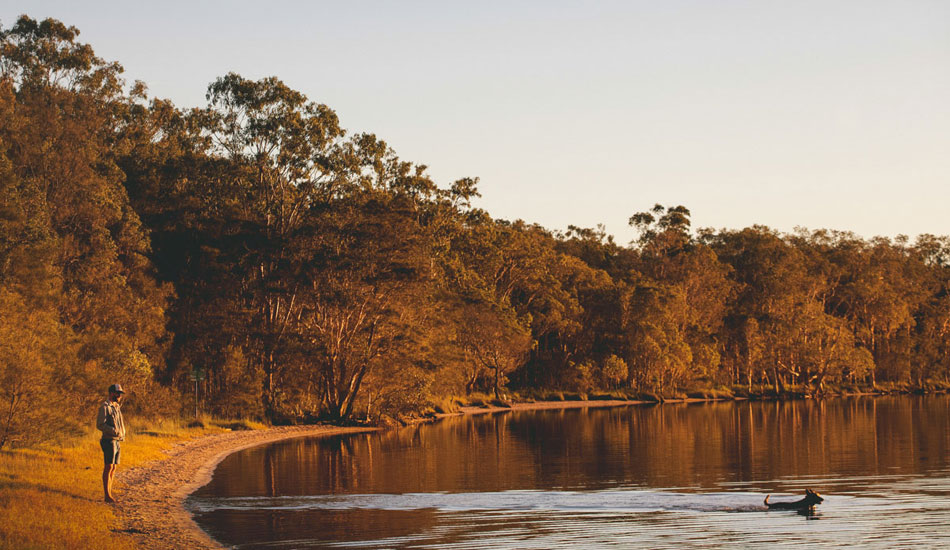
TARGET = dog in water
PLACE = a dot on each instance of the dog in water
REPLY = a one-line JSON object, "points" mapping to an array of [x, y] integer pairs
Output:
{"points": [[808, 503]]}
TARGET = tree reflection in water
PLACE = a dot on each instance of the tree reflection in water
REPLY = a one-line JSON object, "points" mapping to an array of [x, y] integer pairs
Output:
{"points": [[698, 448]]}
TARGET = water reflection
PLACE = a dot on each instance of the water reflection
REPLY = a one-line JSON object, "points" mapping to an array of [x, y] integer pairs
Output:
{"points": [[856, 446]]}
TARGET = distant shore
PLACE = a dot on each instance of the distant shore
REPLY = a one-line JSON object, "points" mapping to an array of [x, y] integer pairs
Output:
{"points": [[544, 405]]}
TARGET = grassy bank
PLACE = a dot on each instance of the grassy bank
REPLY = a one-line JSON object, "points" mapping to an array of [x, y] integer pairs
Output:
{"points": [[51, 497]]}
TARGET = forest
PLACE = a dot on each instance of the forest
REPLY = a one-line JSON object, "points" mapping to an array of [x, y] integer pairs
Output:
{"points": [[254, 255]]}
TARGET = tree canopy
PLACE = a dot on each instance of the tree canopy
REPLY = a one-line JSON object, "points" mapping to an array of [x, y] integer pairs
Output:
{"points": [[294, 270]]}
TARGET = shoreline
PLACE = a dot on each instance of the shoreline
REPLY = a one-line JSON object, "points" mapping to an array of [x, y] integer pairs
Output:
{"points": [[151, 508]]}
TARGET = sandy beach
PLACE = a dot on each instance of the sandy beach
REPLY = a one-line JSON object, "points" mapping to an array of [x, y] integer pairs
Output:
{"points": [[151, 506]]}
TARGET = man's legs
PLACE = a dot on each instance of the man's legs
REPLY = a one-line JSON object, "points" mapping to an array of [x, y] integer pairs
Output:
{"points": [[110, 450], [107, 473]]}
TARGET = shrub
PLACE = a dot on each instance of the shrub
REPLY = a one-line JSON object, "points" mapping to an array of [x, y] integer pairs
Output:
{"points": [[709, 393], [38, 386], [446, 405], [614, 371], [149, 399], [580, 376], [608, 396]]}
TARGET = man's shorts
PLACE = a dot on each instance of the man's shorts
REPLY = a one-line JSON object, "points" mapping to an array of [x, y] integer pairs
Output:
{"points": [[110, 450]]}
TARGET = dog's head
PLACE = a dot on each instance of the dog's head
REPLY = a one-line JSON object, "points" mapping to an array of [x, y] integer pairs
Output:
{"points": [[812, 498]]}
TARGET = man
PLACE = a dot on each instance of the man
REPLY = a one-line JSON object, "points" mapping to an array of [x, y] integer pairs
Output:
{"points": [[110, 423]]}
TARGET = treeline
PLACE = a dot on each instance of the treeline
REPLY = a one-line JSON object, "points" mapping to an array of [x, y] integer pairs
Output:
{"points": [[288, 269]]}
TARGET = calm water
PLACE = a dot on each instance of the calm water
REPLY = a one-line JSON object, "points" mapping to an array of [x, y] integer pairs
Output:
{"points": [[668, 476]]}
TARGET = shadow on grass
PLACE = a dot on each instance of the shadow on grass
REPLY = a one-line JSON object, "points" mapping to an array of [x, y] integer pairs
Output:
{"points": [[14, 485]]}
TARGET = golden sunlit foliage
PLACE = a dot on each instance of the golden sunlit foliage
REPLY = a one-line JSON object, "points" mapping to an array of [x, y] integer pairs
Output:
{"points": [[251, 257]]}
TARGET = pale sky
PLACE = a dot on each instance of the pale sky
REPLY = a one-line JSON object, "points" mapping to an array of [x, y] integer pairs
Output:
{"points": [[822, 114]]}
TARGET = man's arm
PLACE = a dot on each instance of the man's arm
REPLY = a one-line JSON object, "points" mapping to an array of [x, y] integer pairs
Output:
{"points": [[104, 422]]}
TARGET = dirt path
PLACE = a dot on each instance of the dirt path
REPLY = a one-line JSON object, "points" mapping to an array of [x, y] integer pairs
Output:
{"points": [[152, 496]]}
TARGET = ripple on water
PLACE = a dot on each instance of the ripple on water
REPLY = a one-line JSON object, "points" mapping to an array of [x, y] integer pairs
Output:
{"points": [[566, 501], [618, 518]]}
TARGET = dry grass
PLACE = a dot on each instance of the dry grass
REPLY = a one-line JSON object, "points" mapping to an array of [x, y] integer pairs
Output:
{"points": [[476, 399], [51, 497], [446, 405]]}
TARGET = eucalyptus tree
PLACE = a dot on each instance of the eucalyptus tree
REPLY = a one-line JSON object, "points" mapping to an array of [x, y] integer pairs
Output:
{"points": [[284, 153], [695, 285], [484, 272], [497, 344], [35, 346], [600, 290], [304, 253], [654, 347], [772, 300], [881, 287], [64, 111], [591, 245], [369, 273], [932, 338], [546, 293]]}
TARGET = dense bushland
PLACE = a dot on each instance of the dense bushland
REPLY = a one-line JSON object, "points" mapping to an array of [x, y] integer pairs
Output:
{"points": [[254, 254]]}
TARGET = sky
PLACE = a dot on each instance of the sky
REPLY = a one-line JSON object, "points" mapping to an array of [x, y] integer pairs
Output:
{"points": [[798, 113]]}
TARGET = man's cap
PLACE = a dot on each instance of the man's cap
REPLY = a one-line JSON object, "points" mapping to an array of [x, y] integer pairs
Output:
{"points": [[116, 388]]}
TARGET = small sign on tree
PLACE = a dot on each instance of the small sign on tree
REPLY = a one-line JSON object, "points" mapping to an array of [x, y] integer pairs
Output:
{"points": [[197, 375]]}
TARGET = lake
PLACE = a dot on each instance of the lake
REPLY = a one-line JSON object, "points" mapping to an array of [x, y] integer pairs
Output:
{"points": [[660, 476]]}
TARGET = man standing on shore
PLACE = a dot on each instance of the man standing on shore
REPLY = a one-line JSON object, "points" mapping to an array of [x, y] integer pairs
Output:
{"points": [[110, 423]]}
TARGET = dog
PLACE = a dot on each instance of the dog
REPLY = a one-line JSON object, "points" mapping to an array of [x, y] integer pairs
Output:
{"points": [[808, 503]]}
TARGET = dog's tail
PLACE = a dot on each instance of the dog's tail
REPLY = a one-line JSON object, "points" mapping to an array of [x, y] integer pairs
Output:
{"points": [[767, 499]]}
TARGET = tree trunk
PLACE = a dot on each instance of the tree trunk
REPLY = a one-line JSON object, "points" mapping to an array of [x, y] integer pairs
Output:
{"points": [[268, 390], [497, 380]]}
